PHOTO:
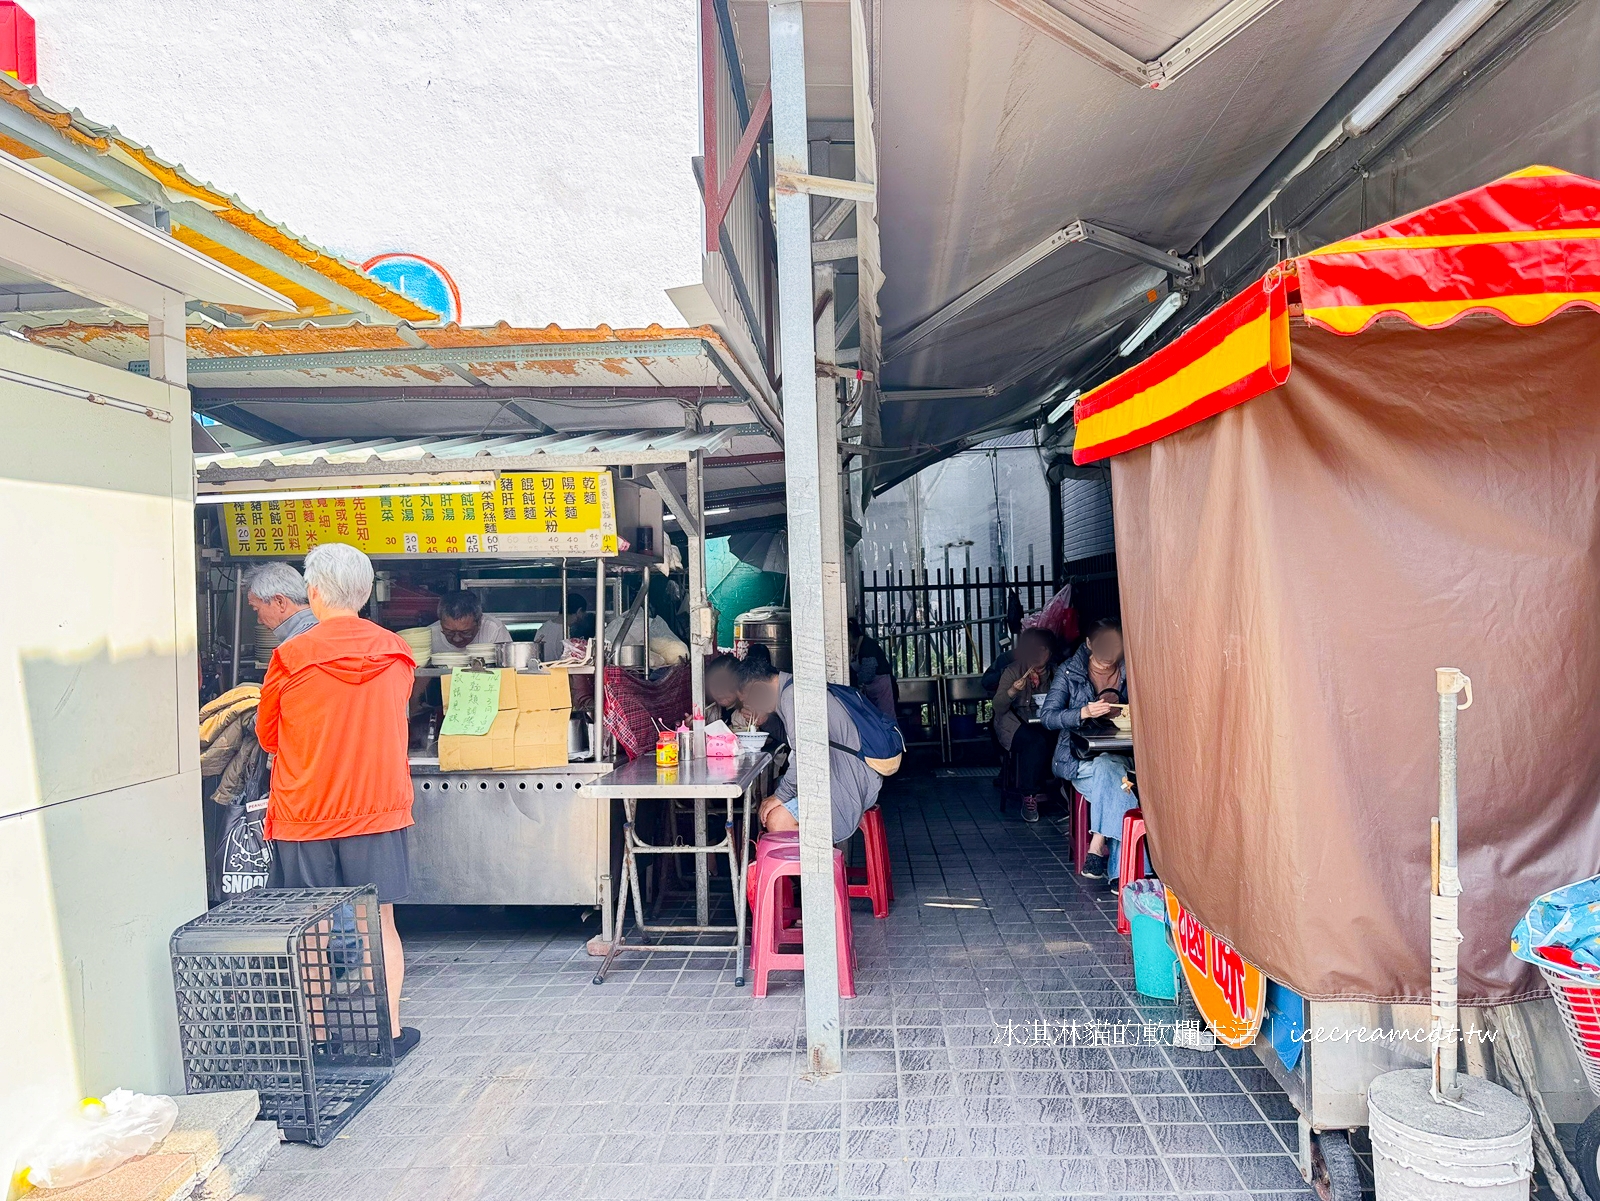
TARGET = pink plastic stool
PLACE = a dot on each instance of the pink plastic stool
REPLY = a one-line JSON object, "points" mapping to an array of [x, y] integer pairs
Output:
{"points": [[1130, 860], [769, 946], [765, 845], [788, 887], [1080, 829], [874, 881]]}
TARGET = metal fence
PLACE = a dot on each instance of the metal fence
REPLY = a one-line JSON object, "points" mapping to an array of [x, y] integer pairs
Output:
{"points": [[931, 625]]}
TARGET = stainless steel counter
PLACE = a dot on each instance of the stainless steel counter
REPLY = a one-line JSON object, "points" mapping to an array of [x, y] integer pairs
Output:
{"points": [[509, 837]]}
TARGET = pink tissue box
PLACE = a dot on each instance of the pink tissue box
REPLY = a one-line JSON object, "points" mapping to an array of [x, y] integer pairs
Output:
{"points": [[722, 746]]}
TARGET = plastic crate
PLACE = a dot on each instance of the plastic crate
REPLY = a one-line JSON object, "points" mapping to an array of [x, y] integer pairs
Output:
{"points": [[283, 991]]}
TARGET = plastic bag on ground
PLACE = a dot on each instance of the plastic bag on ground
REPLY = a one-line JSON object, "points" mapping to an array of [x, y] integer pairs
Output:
{"points": [[1146, 896], [100, 1136], [1561, 930]]}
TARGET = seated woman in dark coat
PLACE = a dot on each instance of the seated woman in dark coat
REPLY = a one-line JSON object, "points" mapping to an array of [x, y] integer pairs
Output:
{"points": [[1031, 745], [1089, 686]]}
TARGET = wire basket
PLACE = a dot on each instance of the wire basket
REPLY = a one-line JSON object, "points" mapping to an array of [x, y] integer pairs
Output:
{"points": [[1579, 1004], [283, 991]]}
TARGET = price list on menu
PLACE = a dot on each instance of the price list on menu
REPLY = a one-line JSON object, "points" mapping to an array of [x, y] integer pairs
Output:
{"points": [[525, 514]]}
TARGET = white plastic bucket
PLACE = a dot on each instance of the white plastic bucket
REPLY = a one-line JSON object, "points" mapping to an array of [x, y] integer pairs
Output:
{"points": [[1423, 1150]]}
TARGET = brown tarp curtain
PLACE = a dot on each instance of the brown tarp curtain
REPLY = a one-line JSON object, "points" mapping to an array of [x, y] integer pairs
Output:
{"points": [[1293, 570]]}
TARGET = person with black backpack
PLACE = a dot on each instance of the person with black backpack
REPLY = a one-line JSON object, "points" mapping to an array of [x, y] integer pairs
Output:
{"points": [[866, 747]]}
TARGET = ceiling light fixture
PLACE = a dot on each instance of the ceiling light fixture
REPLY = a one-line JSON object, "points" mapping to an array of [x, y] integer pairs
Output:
{"points": [[1445, 39], [1440, 43], [1162, 314], [717, 512], [1065, 407]]}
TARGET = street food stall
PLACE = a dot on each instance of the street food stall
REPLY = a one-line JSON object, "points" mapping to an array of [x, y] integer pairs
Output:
{"points": [[523, 520], [1381, 457]]}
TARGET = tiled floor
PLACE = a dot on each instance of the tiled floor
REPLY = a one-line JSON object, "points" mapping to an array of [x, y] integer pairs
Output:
{"points": [[669, 1082]]}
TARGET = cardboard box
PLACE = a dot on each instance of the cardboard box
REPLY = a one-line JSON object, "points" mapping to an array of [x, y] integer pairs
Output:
{"points": [[529, 731], [541, 738], [508, 688], [536, 693], [494, 751]]}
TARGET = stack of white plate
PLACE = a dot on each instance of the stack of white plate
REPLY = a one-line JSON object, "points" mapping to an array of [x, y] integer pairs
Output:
{"points": [[482, 650], [451, 659], [266, 642], [420, 640]]}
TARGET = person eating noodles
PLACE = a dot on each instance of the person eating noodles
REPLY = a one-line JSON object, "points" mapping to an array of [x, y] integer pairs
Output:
{"points": [[723, 702]]}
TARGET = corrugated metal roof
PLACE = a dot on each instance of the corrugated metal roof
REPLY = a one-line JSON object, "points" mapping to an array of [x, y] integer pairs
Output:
{"points": [[443, 455], [362, 355], [108, 140]]}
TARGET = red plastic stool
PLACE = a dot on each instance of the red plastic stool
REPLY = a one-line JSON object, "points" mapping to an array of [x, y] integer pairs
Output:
{"points": [[1130, 860], [768, 945], [1080, 829], [874, 880]]}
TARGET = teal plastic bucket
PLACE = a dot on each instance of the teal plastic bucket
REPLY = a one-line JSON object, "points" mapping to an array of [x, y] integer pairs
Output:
{"points": [[1154, 961]]}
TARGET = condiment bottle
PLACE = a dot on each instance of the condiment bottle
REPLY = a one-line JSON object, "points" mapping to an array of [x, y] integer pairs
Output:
{"points": [[667, 749], [699, 739], [685, 752]]}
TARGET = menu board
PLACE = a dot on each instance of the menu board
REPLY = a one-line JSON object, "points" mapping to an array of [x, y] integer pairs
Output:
{"points": [[526, 514]]}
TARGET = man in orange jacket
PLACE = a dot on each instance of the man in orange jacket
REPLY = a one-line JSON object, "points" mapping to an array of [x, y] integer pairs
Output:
{"points": [[333, 715]]}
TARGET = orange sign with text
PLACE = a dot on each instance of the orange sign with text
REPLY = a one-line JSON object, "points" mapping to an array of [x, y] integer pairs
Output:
{"points": [[1230, 993]]}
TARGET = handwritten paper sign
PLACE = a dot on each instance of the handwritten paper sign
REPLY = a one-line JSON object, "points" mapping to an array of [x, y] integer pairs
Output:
{"points": [[474, 701], [1230, 992]]}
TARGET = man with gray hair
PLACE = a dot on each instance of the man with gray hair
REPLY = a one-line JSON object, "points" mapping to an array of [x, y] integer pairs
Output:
{"points": [[277, 593], [333, 713]]}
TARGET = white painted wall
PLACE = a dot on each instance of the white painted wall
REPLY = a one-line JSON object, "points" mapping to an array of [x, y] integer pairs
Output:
{"points": [[101, 850], [538, 149]]}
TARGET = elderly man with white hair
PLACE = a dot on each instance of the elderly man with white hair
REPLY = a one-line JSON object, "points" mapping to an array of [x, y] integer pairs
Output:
{"points": [[277, 593], [333, 713]]}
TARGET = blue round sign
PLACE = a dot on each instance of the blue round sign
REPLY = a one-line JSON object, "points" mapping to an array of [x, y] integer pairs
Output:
{"points": [[418, 279]]}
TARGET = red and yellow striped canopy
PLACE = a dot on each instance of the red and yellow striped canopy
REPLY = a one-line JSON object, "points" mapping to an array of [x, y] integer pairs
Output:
{"points": [[1524, 248]]}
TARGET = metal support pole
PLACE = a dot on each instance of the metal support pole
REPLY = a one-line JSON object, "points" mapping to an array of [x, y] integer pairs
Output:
{"points": [[830, 493], [238, 632], [702, 637], [802, 462], [694, 486], [599, 660], [1444, 932]]}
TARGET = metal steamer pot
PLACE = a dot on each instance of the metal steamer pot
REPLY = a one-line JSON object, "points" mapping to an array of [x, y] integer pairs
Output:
{"points": [[769, 627]]}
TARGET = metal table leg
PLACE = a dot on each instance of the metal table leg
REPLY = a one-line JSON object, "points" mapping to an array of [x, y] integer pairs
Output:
{"points": [[629, 878], [702, 865], [741, 872]]}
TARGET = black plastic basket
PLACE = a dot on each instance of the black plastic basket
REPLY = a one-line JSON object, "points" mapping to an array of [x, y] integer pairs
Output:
{"points": [[283, 991]]}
